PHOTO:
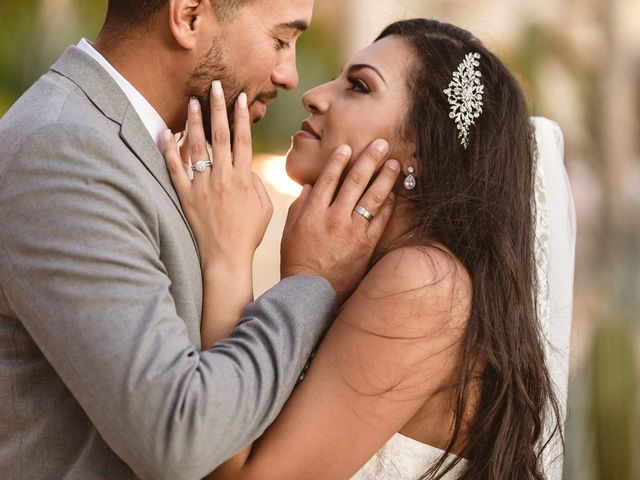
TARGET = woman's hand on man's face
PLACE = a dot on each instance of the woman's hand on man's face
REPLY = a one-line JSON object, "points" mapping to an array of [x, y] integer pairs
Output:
{"points": [[225, 203]]}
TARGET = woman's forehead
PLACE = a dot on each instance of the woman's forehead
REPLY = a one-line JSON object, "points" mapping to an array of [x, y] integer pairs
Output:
{"points": [[391, 55]]}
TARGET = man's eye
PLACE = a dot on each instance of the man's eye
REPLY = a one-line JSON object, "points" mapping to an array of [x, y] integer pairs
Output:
{"points": [[282, 44], [357, 85]]}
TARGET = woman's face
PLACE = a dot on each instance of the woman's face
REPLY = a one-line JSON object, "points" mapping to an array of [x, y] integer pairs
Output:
{"points": [[366, 102]]}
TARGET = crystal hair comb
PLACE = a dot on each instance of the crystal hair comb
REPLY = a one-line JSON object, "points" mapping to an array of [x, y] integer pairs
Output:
{"points": [[465, 94]]}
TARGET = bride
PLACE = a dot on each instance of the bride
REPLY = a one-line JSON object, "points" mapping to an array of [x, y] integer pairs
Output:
{"points": [[435, 365]]}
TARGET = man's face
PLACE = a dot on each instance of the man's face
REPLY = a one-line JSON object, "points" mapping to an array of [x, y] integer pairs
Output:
{"points": [[253, 52]]}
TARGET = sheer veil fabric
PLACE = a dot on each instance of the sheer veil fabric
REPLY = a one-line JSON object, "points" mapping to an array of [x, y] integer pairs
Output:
{"points": [[403, 458]]}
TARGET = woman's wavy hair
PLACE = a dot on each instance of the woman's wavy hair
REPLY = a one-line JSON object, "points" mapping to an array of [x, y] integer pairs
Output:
{"points": [[479, 203]]}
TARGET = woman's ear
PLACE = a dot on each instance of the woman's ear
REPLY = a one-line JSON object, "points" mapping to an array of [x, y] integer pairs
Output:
{"points": [[186, 18]]}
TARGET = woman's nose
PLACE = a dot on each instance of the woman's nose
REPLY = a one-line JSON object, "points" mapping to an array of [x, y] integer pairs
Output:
{"points": [[317, 99]]}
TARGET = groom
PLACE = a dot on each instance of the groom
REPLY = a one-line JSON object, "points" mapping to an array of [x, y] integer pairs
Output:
{"points": [[100, 286]]}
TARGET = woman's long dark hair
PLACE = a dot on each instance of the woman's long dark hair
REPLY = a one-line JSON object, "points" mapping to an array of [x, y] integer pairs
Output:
{"points": [[479, 203]]}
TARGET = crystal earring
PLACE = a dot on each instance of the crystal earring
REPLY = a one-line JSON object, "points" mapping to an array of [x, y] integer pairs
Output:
{"points": [[410, 181]]}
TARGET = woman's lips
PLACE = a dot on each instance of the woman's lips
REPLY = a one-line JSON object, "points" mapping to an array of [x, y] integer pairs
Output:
{"points": [[307, 131]]}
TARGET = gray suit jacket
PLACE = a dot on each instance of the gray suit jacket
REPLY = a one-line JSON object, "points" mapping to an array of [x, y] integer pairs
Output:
{"points": [[101, 375]]}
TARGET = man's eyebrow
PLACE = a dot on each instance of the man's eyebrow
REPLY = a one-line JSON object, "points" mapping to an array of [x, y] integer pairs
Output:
{"points": [[360, 66], [299, 25]]}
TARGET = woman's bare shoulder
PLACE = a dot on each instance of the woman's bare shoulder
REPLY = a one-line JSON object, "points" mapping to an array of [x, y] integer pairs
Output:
{"points": [[416, 288]]}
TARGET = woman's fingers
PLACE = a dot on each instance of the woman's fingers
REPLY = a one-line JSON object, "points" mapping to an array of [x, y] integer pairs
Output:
{"points": [[376, 195], [220, 132], [263, 195], [183, 148], [242, 152], [196, 140], [179, 176]]}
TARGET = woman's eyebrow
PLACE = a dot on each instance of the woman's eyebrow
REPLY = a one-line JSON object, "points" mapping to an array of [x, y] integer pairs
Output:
{"points": [[361, 66]]}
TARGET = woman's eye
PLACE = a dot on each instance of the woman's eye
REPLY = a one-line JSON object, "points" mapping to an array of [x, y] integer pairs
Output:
{"points": [[357, 85]]}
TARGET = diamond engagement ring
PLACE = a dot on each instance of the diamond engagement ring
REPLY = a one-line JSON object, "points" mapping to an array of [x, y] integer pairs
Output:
{"points": [[360, 210], [201, 165]]}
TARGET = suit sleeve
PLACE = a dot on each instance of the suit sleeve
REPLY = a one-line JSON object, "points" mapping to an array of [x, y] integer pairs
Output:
{"points": [[79, 265]]}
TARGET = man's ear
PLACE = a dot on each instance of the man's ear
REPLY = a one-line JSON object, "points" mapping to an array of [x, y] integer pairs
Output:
{"points": [[186, 17]]}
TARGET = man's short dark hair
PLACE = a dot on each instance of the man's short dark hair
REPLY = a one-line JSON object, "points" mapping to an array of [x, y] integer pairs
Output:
{"points": [[139, 12]]}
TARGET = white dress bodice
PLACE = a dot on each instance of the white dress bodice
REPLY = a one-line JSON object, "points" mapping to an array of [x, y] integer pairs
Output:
{"points": [[403, 458]]}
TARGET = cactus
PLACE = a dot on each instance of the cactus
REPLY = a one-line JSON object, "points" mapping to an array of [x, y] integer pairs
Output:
{"points": [[615, 412]]}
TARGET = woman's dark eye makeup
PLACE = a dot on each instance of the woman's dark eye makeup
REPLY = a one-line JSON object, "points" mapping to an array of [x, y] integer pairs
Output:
{"points": [[358, 85]]}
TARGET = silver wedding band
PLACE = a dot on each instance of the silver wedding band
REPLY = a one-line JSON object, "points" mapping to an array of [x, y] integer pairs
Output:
{"points": [[364, 212], [201, 165]]}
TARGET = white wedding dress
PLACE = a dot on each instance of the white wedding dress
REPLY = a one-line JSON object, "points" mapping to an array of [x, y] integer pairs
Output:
{"points": [[403, 458]]}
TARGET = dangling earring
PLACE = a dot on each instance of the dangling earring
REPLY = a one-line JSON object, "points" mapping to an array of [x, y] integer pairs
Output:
{"points": [[410, 181]]}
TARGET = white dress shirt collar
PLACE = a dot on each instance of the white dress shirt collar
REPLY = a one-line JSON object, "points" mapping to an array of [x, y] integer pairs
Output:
{"points": [[151, 119]]}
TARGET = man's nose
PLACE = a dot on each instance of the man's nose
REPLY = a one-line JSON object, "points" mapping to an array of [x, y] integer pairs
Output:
{"points": [[285, 73]]}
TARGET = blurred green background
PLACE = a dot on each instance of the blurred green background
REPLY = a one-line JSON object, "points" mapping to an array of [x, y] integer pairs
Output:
{"points": [[579, 62]]}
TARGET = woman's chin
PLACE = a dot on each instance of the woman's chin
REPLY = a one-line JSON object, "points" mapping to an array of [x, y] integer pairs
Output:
{"points": [[298, 170]]}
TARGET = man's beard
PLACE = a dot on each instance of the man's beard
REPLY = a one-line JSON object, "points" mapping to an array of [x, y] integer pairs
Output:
{"points": [[212, 67]]}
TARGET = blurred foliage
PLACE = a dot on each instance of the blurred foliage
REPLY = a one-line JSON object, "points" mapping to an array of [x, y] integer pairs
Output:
{"points": [[31, 39]]}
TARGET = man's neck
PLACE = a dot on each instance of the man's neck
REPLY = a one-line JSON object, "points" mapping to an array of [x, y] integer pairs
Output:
{"points": [[143, 67]]}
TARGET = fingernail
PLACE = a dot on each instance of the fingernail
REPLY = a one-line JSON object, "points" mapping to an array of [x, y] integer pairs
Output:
{"points": [[381, 146], [394, 165], [344, 150], [194, 105], [242, 100], [216, 87]]}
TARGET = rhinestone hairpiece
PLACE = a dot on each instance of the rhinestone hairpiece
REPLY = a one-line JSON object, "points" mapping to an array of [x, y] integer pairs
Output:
{"points": [[465, 95]]}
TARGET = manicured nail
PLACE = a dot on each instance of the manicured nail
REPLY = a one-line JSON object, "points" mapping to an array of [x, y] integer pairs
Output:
{"points": [[194, 105], [381, 146], [242, 100], [216, 87], [344, 150], [394, 165]]}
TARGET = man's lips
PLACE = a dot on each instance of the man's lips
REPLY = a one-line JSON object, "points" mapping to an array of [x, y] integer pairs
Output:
{"points": [[307, 130]]}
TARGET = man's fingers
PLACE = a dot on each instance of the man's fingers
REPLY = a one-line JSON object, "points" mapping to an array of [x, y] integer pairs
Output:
{"points": [[327, 183], [381, 220], [360, 175], [296, 207], [242, 153], [376, 195], [220, 132], [178, 175], [196, 139]]}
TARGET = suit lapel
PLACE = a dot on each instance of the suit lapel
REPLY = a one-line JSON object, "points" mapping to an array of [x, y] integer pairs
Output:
{"points": [[107, 96], [134, 134]]}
